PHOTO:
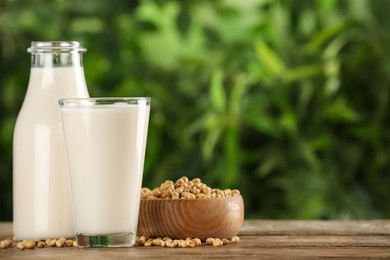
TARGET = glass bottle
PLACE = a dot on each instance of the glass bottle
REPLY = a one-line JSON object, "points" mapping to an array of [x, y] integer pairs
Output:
{"points": [[41, 192]]}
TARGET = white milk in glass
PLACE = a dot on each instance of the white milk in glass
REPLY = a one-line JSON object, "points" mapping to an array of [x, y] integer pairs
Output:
{"points": [[106, 149]]}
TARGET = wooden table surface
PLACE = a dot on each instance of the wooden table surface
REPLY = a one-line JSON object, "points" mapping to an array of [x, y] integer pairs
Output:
{"points": [[260, 239]]}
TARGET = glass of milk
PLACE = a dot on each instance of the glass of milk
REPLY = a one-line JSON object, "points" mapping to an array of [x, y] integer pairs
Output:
{"points": [[105, 144]]}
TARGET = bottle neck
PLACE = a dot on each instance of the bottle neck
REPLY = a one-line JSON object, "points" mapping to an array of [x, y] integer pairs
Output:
{"points": [[56, 59]]}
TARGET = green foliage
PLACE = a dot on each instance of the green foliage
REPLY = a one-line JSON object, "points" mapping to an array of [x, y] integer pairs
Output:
{"points": [[286, 100]]}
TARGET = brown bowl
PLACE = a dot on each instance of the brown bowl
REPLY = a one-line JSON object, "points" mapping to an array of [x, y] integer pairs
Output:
{"points": [[201, 218]]}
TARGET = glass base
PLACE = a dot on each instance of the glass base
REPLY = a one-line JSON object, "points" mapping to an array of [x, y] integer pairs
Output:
{"points": [[111, 240]]}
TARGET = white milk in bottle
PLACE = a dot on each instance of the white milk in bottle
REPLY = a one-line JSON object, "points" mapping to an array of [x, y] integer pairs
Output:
{"points": [[42, 205]]}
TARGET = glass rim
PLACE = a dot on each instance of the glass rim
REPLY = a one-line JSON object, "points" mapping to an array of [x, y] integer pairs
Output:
{"points": [[102, 101], [56, 46]]}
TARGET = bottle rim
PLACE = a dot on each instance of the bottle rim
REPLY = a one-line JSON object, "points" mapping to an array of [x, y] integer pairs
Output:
{"points": [[56, 46]]}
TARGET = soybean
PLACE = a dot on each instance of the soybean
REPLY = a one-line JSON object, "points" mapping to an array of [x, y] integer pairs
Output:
{"points": [[20, 246], [217, 242], [41, 244], [235, 239]]}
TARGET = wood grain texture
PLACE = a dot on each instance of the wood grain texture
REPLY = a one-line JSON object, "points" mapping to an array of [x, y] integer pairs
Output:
{"points": [[260, 239], [317, 227], [201, 218]]}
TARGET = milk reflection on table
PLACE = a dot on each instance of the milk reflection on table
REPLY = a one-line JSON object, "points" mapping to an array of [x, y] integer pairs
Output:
{"points": [[105, 149]]}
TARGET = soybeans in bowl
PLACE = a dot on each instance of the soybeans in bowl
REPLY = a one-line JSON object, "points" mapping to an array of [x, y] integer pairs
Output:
{"points": [[189, 208]]}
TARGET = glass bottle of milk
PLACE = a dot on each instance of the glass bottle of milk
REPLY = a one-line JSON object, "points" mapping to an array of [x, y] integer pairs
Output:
{"points": [[41, 192]]}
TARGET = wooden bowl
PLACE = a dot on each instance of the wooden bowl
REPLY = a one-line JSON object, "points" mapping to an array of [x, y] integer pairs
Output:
{"points": [[201, 218]]}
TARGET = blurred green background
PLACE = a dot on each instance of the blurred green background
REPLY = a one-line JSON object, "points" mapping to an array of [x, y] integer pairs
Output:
{"points": [[287, 101]]}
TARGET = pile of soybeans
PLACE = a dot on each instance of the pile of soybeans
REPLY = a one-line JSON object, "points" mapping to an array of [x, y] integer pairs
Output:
{"points": [[184, 188]]}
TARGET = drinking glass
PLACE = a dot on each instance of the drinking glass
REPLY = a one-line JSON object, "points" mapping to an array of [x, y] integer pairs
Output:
{"points": [[105, 141]]}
